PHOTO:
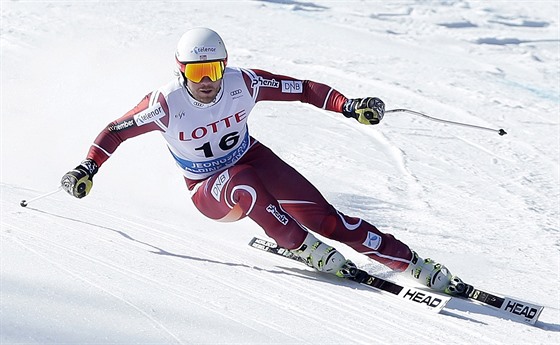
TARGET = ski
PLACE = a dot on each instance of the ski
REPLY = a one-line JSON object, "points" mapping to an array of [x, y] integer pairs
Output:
{"points": [[425, 299], [511, 308]]}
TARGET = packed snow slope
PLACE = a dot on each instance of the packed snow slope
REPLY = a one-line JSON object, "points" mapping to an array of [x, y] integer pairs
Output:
{"points": [[135, 263]]}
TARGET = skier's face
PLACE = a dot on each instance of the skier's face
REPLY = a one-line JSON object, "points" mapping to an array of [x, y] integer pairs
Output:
{"points": [[204, 91]]}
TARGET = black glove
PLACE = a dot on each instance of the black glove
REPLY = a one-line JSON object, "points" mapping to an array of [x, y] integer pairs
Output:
{"points": [[369, 110], [78, 182]]}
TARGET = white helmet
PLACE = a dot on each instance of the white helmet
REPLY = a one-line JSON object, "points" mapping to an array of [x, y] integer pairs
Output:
{"points": [[200, 44]]}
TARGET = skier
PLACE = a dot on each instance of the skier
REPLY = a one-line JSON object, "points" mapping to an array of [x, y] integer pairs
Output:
{"points": [[202, 114]]}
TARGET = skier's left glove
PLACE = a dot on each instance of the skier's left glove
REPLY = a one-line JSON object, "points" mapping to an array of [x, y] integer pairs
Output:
{"points": [[369, 110], [78, 182]]}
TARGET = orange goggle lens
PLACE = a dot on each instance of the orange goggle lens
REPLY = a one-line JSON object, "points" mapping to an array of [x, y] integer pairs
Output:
{"points": [[196, 71]]}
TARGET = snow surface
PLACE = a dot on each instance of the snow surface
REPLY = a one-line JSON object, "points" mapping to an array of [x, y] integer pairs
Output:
{"points": [[135, 263]]}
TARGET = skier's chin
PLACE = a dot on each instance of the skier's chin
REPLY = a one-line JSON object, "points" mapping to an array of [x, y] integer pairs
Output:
{"points": [[206, 96]]}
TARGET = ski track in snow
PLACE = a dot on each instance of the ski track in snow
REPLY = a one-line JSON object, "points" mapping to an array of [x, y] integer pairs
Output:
{"points": [[134, 262], [175, 291], [71, 253], [44, 246], [286, 277], [265, 301]]}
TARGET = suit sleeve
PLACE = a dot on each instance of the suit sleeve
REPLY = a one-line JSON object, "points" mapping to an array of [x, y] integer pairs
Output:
{"points": [[150, 114], [266, 86]]}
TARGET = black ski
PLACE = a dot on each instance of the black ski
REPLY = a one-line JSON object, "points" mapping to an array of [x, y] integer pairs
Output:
{"points": [[512, 308], [426, 299]]}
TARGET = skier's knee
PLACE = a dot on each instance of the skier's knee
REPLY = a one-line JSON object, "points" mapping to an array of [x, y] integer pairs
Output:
{"points": [[328, 226], [242, 188]]}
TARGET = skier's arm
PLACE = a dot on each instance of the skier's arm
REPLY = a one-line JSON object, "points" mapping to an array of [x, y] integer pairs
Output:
{"points": [[266, 86], [149, 115]]}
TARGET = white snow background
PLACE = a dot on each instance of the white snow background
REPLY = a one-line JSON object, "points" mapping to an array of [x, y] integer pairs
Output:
{"points": [[135, 263]]}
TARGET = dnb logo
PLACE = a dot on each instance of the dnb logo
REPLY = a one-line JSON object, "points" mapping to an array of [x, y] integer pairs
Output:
{"points": [[292, 86], [219, 184]]}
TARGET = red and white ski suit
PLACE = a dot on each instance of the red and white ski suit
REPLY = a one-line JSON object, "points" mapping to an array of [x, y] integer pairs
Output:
{"points": [[232, 175]]}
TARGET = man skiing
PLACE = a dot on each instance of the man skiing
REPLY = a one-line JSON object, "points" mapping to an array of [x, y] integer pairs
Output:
{"points": [[202, 114]]}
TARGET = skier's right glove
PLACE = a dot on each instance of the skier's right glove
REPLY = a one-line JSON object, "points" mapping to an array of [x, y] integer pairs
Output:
{"points": [[369, 110], [78, 182]]}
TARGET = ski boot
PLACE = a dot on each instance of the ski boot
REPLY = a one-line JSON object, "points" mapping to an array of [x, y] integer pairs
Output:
{"points": [[325, 258], [436, 276]]}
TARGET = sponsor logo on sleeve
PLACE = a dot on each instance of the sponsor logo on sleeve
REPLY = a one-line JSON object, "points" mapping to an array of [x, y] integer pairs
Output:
{"points": [[149, 115], [292, 86], [261, 82], [121, 125]]}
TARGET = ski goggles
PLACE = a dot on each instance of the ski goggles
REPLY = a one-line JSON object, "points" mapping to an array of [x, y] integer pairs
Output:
{"points": [[195, 71]]}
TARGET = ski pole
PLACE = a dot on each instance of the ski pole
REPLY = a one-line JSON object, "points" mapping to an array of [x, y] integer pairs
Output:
{"points": [[24, 203], [500, 131]]}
